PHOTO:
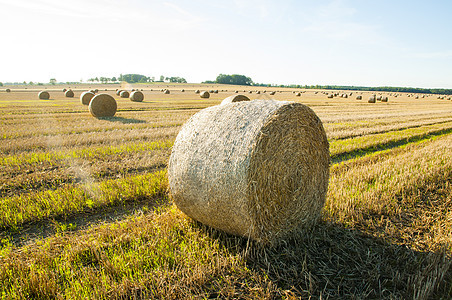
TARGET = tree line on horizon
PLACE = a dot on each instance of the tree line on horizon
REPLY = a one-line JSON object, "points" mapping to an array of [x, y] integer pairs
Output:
{"points": [[237, 79]]}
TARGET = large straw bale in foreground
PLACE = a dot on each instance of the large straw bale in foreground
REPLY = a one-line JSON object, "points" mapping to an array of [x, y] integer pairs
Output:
{"points": [[103, 105], [235, 98], [258, 168]]}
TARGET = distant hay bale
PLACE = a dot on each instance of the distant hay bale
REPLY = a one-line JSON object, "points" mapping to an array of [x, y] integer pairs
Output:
{"points": [[258, 92], [379, 98], [372, 99], [197, 92], [204, 94], [86, 97], [103, 106], [124, 94], [8, 90], [166, 91], [215, 91], [137, 96], [359, 97], [182, 90], [384, 99], [235, 98], [96, 91], [258, 168], [64, 90], [330, 96], [69, 94], [44, 95], [236, 92], [250, 92], [298, 94], [272, 93], [118, 92], [92, 91]]}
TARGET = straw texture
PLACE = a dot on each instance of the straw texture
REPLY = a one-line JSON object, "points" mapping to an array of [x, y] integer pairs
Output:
{"points": [[253, 168], [103, 105], [235, 98]]}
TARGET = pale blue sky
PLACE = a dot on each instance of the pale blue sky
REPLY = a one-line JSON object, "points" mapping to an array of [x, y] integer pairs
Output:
{"points": [[338, 42]]}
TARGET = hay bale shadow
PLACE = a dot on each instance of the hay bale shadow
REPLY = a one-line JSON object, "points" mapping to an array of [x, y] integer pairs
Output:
{"points": [[334, 262], [122, 120]]}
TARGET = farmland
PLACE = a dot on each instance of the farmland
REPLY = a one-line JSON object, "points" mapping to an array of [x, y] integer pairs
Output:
{"points": [[85, 211]]}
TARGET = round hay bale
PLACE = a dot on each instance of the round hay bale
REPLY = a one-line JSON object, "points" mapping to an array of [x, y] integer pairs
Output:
{"points": [[69, 94], [298, 94], [330, 96], [96, 91], [137, 96], [118, 92], [44, 95], [166, 91], [215, 91], [8, 90], [359, 97], [92, 91], [258, 92], [182, 90], [250, 92], [236, 92], [197, 92], [258, 168], [86, 97], [124, 94], [64, 90], [372, 99], [384, 99], [103, 106], [234, 98], [272, 93], [204, 94]]}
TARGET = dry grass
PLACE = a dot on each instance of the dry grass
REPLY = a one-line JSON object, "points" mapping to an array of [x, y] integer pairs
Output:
{"points": [[385, 232]]}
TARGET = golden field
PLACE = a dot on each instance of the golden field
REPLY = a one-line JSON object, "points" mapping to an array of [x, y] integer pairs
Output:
{"points": [[85, 212]]}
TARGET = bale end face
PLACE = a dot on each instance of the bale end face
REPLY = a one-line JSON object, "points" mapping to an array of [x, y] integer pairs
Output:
{"points": [[103, 106], [258, 168]]}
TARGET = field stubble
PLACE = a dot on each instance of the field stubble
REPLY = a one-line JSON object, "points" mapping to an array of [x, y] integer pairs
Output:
{"points": [[96, 190]]}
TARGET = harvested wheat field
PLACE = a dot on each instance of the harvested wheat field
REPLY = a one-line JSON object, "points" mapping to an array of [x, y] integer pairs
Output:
{"points": [[85, 210]]}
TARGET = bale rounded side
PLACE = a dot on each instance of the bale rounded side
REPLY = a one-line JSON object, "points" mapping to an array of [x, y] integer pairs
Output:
{"points": [[258, 168], [102, 106]]}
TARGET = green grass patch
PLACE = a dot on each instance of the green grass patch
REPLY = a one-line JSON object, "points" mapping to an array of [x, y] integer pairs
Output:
{"points": [[54, 157], [17, 210]]}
